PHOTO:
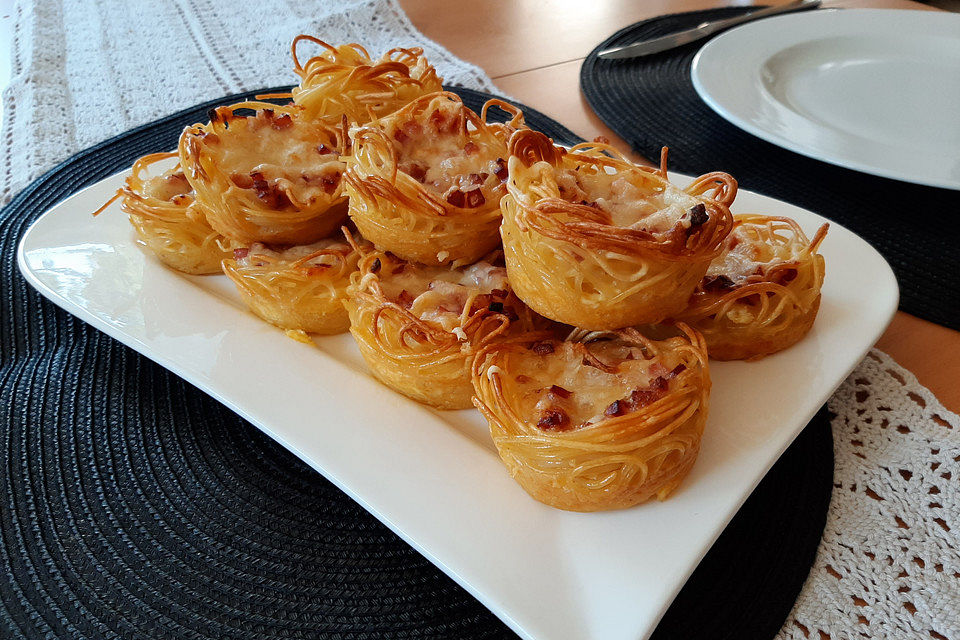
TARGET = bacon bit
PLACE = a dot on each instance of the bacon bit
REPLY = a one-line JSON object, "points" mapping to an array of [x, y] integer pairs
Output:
{"points": [[542, 348], [267, 114], [496, 307], [642, 397], [267, 193], [590, 204], [785, 276], [241, 180], [416, 171], [498, 293], [457, 198], [554, 420], [441, 123], [213, 114], [330, 183], [698, 215], [323, 149], [470, 148], [616, 408], [400, 136], [405, 299], [602, 139], [375, 267], [474, 199], [399, 268], [475, 178], [716, 283], [511, 314], [482, 300], [283, 122], [502, 171], [240, 254], [560, 391]]}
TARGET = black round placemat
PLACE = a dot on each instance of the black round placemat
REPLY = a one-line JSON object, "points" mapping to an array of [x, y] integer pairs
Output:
{"points": [[651, 102], [135, 506]]}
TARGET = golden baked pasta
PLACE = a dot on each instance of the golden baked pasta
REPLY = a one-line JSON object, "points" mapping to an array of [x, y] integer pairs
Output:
{"points": [[761, 295], [418, 327], [595, 241], [270, 177], [300, 287], [601, 420], [425, 182], [346, 81], [162, 212]]}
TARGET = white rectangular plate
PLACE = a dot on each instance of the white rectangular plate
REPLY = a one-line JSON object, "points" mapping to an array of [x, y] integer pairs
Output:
{"points": [[434, 477]]}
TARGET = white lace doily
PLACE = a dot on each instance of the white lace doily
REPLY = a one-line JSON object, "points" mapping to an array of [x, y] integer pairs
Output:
{"points": [[888, 565], [122, 64], [889, 562]]}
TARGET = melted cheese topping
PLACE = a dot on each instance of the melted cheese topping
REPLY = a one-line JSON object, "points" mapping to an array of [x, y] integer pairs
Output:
{"points": [[631, 201], [590, 390], [438, 294], [444, 160], [746, 254], [168, 186], [292, 157], [258, 251]]}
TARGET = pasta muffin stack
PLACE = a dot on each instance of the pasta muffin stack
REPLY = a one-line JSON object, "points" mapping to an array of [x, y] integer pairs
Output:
{"points": [[570, 295]]}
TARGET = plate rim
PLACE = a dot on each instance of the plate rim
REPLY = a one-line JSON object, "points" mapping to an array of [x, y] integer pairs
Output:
{"points": [[737, 118]]}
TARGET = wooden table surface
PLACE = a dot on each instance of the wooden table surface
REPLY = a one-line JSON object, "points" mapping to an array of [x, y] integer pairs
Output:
{"points": [[533, 50]]}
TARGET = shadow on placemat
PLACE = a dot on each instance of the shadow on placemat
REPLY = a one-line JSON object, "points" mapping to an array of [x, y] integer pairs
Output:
{"points": [[651, 102], [135, 506]]}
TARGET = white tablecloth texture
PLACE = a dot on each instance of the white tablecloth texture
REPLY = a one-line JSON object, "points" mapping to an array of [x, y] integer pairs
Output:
{"points": [[84, 70]]}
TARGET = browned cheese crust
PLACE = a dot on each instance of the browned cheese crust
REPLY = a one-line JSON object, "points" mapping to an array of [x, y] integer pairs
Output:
{"points": [[272, 177], [425, 182], [762, 293], [599, 421], [418, 327], [300, 287], [163, 214], [595, 241]]}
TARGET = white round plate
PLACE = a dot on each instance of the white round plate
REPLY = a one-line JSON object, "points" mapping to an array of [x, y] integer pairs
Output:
{"points": [[873, 90]]}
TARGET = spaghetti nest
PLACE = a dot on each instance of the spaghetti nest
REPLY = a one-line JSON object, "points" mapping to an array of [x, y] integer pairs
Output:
{"points": [[595, 241], [162, 212], [270, 176], [425, 182], [346, 81], [762, 294], [601, 420], [418, 327], [298, 287]]}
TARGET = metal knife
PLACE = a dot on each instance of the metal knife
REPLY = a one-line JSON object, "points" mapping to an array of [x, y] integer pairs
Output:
{"points": [[663, 43]]}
